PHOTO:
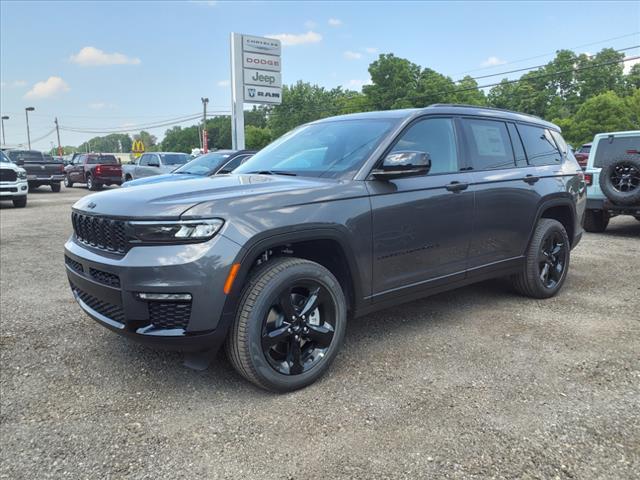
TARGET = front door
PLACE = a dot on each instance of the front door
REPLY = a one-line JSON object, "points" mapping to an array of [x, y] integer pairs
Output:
{"points": [[421, 224]]}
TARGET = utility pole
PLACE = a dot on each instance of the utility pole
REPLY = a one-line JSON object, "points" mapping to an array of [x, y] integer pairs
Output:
{"points": [[4, 140], [205, 141], [26, 112], [58, 134]]}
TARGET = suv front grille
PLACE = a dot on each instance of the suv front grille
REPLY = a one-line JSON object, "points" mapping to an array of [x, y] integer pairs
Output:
{"points": [[113, 312], [169, 314], [99, 232], [7, 175], [105, 277]]}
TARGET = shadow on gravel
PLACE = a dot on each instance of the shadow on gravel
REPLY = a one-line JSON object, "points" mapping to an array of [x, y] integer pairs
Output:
{"points": [[629, 230]]}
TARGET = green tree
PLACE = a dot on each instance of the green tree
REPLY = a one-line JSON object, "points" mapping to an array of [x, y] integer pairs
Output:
{"points": [[218, 133], [432, 87], [606, 112], [467, 92], [109, 143], [632, 79], [178, 139], [607, 76], [394, 83], [256, 137]]}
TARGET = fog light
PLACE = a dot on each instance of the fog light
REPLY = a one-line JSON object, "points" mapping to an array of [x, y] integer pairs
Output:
{"points": [[23, 187], [166, 297]]}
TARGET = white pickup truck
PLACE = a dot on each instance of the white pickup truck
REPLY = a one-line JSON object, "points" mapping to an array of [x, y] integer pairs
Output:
{"points": [[154, 163]]}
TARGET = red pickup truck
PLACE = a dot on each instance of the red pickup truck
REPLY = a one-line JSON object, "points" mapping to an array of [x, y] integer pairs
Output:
{"points": [[94, 169]]}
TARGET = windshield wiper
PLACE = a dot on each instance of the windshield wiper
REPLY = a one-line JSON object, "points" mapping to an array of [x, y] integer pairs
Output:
{"points": [[274, 172]]}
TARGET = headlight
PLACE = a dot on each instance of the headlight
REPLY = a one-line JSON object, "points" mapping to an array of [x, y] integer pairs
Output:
{"points": [[22, 174], [176, 231]]}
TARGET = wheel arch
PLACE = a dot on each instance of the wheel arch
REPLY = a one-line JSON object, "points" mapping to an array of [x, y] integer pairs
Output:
{"points": [[326, 246], [560, 208]]}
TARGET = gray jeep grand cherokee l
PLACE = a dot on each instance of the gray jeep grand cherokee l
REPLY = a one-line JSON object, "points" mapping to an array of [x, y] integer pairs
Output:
{"points": [[335, 219]]}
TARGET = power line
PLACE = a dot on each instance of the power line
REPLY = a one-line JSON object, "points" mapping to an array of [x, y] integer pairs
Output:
{"points": [[551, 53]]}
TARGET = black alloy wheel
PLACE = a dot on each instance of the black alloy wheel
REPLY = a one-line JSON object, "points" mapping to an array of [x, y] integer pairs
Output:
{"points": [[625, 177], [552, 260], [299, 328]]}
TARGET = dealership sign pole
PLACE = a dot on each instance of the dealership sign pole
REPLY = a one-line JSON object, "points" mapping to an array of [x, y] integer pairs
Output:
{"points": [[255, 78]]}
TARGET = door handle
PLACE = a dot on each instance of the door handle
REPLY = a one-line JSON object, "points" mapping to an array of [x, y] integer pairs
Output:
{"points": [[531, 179], [456, 186]]}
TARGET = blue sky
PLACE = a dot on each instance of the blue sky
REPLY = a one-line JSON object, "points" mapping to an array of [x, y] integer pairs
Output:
{"points": [[121, 64]]}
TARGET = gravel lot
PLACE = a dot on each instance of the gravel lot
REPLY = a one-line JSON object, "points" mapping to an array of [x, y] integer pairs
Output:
{"points": [[474, 383]]}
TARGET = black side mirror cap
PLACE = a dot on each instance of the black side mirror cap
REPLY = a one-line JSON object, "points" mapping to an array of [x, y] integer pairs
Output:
{"points": [[403, 164]]}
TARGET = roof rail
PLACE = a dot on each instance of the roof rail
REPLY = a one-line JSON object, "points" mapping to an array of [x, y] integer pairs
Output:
{"points": [[464, 105]]}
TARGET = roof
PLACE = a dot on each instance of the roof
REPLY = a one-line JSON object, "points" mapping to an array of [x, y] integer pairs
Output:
{"points": [[445, 109]]}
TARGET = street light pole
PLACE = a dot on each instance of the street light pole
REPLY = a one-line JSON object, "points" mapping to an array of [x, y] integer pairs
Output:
{"points": [[204, 124], [58, 134], [26, 112], [4, 140]]}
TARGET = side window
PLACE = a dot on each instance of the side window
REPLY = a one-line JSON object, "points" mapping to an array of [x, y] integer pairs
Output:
{"points": [[518, 149], [155, 159], [231, 165], [488, 143], [435, 136], [144, 160], [539, 145]]}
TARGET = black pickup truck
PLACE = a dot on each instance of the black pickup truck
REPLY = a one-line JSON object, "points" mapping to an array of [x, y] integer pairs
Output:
{"points": [[41, 169]]}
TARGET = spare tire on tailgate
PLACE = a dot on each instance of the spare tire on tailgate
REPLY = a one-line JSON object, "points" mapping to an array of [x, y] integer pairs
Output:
{"points": [[620, 179]]}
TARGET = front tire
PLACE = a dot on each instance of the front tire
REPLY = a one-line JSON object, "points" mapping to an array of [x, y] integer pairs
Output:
{"points": [[546, 262], [20, 202], [67, 182], [596, 221], [289, 325]]}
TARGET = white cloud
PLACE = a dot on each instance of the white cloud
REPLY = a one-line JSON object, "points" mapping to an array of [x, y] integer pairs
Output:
{"points": [[334, 22], [310, 24], [92, 56], [223, 83], [292, 39], [492, 62], [48, 88], [371, 50], [628, 64], [351, 55]]}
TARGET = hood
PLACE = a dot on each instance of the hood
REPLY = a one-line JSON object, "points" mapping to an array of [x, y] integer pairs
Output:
{"points": [[225, 195], [11, 166], [169, 177]]}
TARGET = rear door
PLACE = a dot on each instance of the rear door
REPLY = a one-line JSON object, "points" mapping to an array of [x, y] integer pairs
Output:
{"points": [[76, 173], [505, 199], [421, 224]]}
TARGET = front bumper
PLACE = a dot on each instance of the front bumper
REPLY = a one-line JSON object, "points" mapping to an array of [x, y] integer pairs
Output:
{"points": [[106, 287], [13, 189]]}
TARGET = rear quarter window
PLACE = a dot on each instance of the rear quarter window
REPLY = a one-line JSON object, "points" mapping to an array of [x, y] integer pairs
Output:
{"points": [[540, 146], [615, 147]]}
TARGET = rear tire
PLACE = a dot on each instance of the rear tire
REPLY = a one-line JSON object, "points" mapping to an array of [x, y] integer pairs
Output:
{"points": [[546, 261], [20, 202], [281, 340], [67, 182], [90, 184], [55, 187], [596, 221]]}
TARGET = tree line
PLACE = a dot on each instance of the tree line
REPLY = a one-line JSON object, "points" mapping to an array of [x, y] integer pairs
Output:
{"points": [[583, 94]]}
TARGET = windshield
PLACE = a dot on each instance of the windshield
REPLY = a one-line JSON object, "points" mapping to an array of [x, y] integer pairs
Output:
{"points": [[204, 164], [174, 158], [328, 149], [4, 158], [25, 156]]}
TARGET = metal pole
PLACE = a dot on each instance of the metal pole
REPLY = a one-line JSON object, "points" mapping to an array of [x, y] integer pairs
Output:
{"points": [[237, 93], [205, 141], [58, 133], [4, 140], [26, 112]]}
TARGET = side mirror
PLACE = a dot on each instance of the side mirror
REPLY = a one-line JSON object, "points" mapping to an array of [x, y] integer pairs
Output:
{"points": [[20, 162], [404, 164], [153, 164]]}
